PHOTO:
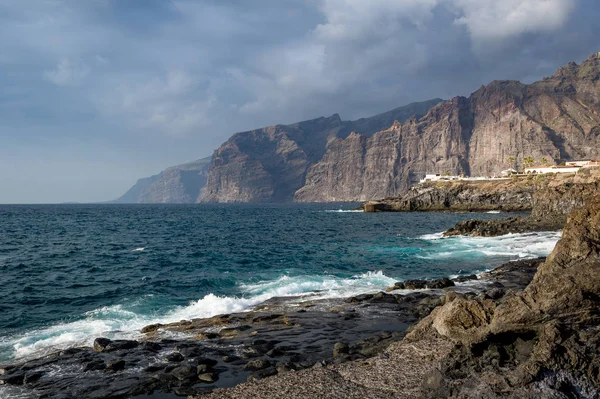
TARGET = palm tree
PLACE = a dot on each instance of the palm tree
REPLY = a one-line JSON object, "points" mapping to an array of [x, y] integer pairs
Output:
{"points": [[544, 161], [511, 161], [528, 162]]}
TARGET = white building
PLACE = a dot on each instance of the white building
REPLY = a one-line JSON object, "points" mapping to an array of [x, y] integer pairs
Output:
{"points": [[578, 163], [438, 177], [551, 169], [509, 172]]}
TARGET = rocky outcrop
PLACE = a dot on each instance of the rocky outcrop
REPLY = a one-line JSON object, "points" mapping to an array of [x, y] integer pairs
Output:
{"points": [[176, 185], [556, 197], [511, 195], [270, 164], [557, 118], [544, 339]]}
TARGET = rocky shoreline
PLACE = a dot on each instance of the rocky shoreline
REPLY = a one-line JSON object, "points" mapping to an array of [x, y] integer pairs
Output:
{"points": [[278, 337], [551, 205]]}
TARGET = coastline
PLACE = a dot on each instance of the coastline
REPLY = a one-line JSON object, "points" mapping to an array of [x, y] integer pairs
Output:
{"points": [[277, 337]]}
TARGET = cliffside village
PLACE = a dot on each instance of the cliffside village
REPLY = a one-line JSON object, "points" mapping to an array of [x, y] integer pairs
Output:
{"points": [[568, 167]]}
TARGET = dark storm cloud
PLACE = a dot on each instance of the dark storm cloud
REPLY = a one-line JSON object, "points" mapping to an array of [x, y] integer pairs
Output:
{"points": [[144, 84]]}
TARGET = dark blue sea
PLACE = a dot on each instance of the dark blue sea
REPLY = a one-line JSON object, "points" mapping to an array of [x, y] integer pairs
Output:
{"points": [[70, 273]]}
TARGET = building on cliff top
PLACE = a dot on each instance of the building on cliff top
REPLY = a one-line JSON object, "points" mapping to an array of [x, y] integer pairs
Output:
{"points": [[440, 177], [569, 167]]}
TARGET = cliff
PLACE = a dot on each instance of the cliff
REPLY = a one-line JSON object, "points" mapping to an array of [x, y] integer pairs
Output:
{"points": [[175, 185], [509, 195], [554, 199], [270, 164], [540, 342], [556, 118]]}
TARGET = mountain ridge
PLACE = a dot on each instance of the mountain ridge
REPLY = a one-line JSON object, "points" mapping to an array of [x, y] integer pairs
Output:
{"points": [[291, 141], [556, 118]]}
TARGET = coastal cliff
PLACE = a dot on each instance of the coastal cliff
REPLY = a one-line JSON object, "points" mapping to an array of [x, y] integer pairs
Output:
{"points": [[497, 127], [540, 342], [554, 199], [175, 185], [556, 119], [510, 195], [270, 164]]}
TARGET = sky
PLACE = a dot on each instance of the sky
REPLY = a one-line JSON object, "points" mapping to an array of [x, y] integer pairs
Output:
{"points": [[98, 93]]}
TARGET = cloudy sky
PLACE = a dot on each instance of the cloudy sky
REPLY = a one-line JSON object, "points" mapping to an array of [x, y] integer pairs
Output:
{"points": [[98, 93]]}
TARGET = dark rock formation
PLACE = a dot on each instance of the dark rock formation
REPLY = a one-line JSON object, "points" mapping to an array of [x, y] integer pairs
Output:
{"points": [[511, 195], [543, 341], [551, 204], [557, 118], [270, 164], [176, 185]]}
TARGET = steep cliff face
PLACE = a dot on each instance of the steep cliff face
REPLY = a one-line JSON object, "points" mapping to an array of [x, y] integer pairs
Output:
{"points": [[176, 185], [270, 164], [359, 168], [557, 118]]}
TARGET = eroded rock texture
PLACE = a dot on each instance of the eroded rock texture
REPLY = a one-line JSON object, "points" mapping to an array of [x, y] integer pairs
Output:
{"points": [[270, 164], [556, 119], [541, 341]]}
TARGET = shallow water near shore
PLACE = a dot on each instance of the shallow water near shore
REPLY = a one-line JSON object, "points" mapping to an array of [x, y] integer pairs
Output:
{"points": [[71, 273]]}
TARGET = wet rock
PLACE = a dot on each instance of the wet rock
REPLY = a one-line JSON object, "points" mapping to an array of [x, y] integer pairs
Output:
{"points": [[151, 328], [101, 343], [95, 365], [423, 284], [275, 353], [382, 297], [151, 346], [207, 377], [174, 357], [13, 378], [229, 358], [155, 367], [121, 345], [207, 336], [5, 369], [115, 365], [340, 349], [32, 377], [260, 374], [257, 364], [184, 372], [462, 279], [360, 298], [284, 367], [202, 368], [262, 346]]}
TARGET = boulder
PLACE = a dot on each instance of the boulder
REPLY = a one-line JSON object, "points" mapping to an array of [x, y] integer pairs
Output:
{"points": [[257, 364], [100, 344]]}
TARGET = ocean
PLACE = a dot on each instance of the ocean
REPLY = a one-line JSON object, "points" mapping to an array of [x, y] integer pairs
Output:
{"points": [[71, 273]]}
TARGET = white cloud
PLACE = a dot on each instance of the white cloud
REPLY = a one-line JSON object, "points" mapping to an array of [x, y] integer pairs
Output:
{"points": [[501, 20], [67, 73], [174, 103]]}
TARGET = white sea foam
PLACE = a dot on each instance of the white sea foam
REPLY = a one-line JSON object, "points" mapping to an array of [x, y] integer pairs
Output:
{"points": [[433, 236], [528, 245], [117, 322], [138, 249], [493, 212], [345, 210]]}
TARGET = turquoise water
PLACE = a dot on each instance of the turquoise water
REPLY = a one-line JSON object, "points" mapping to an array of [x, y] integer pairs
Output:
{"points": [[71, 273]]}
